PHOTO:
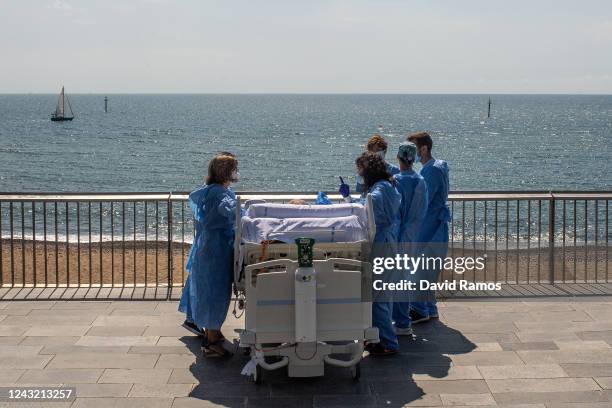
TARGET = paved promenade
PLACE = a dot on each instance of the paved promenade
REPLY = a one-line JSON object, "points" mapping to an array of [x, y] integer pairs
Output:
{"points": [[536, 352]]}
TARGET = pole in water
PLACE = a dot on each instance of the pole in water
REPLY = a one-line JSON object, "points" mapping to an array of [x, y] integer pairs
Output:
{"points": [[105, 104], [489, 110]]}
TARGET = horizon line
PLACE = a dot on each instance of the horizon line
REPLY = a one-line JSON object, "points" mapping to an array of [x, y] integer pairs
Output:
{"points": [[317, 93]]}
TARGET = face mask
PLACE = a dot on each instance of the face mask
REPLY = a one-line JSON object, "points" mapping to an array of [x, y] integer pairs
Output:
{"points": [[360, 179], [417, 159], [381, 154], [235, 175]]}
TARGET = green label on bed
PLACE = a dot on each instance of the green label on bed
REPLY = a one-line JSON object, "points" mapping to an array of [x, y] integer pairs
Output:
{"points": [[305, 252]]}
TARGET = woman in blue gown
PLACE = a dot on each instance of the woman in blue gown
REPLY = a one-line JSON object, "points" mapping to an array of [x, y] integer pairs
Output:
{"points": [[386, 203], [206, 296]]}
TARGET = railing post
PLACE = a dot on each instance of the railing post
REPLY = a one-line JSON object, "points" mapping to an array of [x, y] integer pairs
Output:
{"points": [[551, 239], [170, 254]]}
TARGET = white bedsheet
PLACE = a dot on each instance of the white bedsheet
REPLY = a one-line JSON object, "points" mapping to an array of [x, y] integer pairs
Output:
{"points": [[273, 210], [336, 229]]}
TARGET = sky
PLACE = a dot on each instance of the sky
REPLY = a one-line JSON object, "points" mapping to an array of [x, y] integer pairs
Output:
{"points": [[291, 46]]}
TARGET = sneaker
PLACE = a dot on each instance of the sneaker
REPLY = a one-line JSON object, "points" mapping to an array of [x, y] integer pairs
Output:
{"points": [[416, 317], [378, 350], [403, 331], [191, 326]]}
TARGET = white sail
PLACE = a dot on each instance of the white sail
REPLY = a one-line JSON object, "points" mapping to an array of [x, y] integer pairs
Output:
{"points": [[59, 110]]}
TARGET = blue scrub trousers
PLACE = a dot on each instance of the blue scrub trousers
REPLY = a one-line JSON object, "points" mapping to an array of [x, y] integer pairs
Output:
{"points": [[400, 315], [381, 311]]}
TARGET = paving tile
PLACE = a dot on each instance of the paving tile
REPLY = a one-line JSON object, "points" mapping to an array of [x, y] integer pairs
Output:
{"points": [[102, 390], [451, 373], [160, 350], [210, 391], [583, 345], [12, 331], [566, 316], [49, 341], [587, 370], [578, 405], [230, 402], [24, 362], [103, 360], [74, 349], [175, 330], [565, 356], [86, 305], [66, 376], [114, 341], [327, 401], [142, 320], [141, 376], [56, 319], [31, 304], [595, 335], [605, 382], [10, 375], [542, 385], [548, 397], [122, 403], [488, 337], [116, 331], [409, 399], [161, 390], [19, 350], [487, 358], [521, 371], [178, 341], [467, 399], [175, 361], [64, 330], [432, 387], [527, 336], [10, 340], [534, 345], [134, 305], [562, 325]]}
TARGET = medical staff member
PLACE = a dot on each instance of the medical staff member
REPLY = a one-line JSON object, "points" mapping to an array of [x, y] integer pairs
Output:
{"points": [[433, 235], [378, 145], [386, 203], [206, 296], [413, 190]]}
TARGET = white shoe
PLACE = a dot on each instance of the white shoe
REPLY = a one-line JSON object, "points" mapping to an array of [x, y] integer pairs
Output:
{"points": [[403, 331]]}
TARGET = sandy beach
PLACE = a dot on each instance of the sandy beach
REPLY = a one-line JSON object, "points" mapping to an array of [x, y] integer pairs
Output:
{"points": [[134, 263]]}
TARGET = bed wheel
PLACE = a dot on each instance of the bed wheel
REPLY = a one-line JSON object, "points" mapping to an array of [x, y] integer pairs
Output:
{"points": [[258, 375], [356, 372]]}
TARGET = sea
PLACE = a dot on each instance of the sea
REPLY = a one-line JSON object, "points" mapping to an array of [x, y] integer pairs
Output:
{"points": [[299, 143]]}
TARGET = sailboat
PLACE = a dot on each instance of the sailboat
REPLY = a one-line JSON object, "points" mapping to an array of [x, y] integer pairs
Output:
{"points": [[59, 114]]}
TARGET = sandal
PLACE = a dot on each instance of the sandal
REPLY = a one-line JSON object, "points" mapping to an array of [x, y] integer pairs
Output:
{"points": [[215, 348]]}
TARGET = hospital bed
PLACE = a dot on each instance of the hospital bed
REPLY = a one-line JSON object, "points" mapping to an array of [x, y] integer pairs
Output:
{"points": [[300, 314]]}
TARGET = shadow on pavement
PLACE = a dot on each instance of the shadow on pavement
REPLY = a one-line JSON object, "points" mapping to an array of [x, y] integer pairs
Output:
{"points": [[387, 381]]}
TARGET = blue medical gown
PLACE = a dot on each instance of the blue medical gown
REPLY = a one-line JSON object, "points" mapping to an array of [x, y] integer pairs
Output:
{"points": [[386, 202], [206, 296], [391, 169], [413, 190], [433, 236], [435, 223]]}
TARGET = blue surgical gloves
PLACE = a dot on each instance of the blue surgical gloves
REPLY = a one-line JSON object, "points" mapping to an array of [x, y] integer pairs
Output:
{"points": [[344, 190]]}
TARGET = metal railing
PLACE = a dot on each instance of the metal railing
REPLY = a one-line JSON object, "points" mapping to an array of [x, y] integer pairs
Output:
{"points": [[122, 240]]}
